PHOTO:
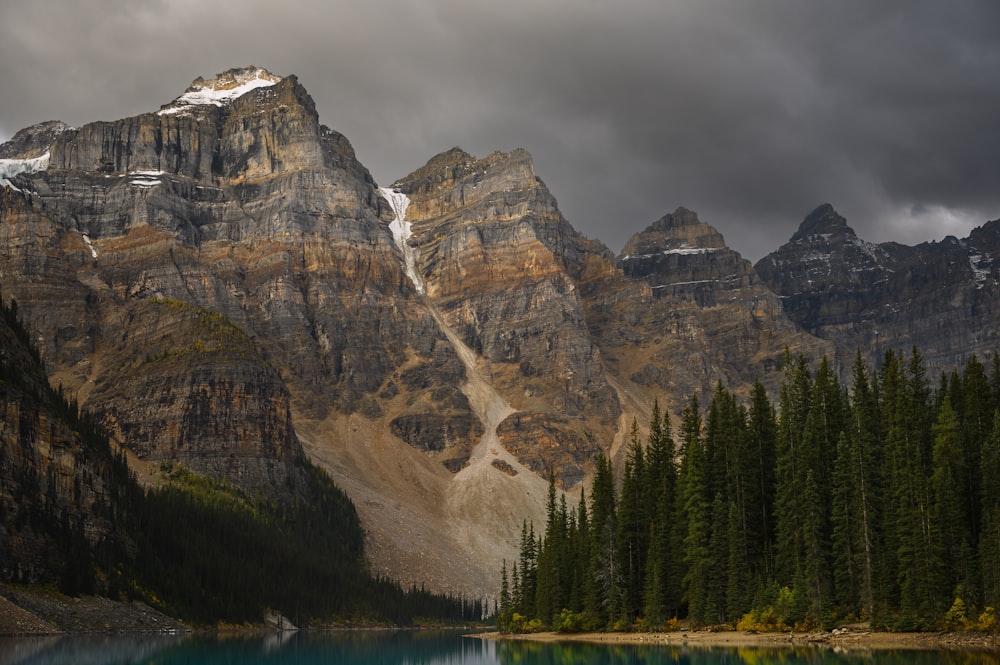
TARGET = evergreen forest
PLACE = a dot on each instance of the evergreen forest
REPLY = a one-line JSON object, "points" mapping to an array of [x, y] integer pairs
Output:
{"points": [[878, 502]]}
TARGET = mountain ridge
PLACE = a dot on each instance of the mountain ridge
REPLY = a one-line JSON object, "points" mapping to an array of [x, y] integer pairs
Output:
{"points": [[222, 286]]}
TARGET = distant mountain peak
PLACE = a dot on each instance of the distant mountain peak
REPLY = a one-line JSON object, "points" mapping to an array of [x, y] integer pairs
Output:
{"points": [[221, 89], [679, 232], [824, 220], [677, 219]]}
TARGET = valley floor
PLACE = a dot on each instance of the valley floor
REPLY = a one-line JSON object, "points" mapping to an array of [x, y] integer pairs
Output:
{"points": [[840, 639]]}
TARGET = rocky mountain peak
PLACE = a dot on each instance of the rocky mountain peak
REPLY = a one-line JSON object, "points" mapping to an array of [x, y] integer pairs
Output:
{"points": [[448, 167], [221, 89], [938, 296], [678, 232], [680, 256], [987, 236], [825, 249], [455, 179], [823, 221], [34, 141]]}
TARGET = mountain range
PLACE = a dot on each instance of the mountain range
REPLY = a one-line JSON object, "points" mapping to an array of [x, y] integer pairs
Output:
{"points": [[223, 285]]}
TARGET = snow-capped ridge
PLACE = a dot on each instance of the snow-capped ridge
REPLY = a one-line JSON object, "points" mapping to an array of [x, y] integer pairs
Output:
{"points": [[222, 89]]}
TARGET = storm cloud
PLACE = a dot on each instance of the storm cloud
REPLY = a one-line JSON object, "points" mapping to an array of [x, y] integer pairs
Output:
{"points": [[751, 112]]}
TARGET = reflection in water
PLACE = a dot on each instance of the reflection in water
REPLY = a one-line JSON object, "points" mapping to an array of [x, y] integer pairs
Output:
{"points": [[533, 653], [426, 648], [85, 650]]}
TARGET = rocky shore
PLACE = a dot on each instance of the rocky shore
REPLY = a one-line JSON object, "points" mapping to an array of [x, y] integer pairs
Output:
{"points": [[843, 638], [27, 611]]}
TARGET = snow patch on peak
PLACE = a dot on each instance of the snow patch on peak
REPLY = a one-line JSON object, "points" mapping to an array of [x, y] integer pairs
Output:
{"points": [[221, 90]]}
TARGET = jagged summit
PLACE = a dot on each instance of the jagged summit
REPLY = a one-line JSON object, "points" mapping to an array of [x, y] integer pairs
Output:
{"points": [[455, 164], [824, 250], [221, 89], [824, 220]]}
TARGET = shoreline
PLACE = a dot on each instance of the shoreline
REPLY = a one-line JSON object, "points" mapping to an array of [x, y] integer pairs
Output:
{"points": [[843, 638]]}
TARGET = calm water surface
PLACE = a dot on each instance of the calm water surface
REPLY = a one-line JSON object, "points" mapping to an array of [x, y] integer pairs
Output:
{"points": [[423, 648]]}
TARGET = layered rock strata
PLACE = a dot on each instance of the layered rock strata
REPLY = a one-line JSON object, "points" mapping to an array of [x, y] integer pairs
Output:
{"points": [[500, 263]]}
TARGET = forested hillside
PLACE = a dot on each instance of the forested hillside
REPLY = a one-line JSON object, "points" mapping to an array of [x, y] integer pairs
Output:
{"points": [[877, 501], [73, 516]]}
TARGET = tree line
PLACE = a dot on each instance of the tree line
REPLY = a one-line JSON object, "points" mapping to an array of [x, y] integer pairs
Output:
{"points": [[877, 502]]}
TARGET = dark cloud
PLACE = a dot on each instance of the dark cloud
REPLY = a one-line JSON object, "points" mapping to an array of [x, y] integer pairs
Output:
{"points": [[751, 113]]}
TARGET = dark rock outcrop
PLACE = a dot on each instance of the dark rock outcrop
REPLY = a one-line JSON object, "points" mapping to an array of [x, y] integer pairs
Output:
{"points": [[939, 296]]}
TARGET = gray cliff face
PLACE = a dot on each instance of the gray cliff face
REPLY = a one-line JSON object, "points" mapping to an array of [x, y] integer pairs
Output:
{"points": [[501, 263], [939, 296]]}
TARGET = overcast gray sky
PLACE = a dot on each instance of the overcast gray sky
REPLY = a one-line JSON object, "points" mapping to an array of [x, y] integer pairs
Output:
{"points": [[750, 112]]}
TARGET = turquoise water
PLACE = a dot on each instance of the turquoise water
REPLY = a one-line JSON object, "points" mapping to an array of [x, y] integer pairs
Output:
{"points": [[424, 648]]}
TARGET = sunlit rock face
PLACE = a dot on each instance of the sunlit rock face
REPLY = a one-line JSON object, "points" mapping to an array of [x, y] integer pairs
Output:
{"points": [[232, 200], [502, 264], [940, 296]]}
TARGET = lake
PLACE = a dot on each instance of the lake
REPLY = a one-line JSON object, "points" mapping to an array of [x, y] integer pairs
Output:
{"points": [[423, 648]]}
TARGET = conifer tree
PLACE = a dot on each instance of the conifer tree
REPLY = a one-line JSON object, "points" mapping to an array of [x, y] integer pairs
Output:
{"points": [[633, 530], [664, 563], [846, 551], [862, 488], [791, 469], [976, 421], [761, 461], [602, 596], [951, 539], [989, 541], [581, 547], [909, 493], [529, 571], [824, 424], [504, 608], [697, 515], [548, 583]]}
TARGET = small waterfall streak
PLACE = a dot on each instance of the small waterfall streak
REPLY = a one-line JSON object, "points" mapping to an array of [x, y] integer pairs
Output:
{"points": [[401, 233]]}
